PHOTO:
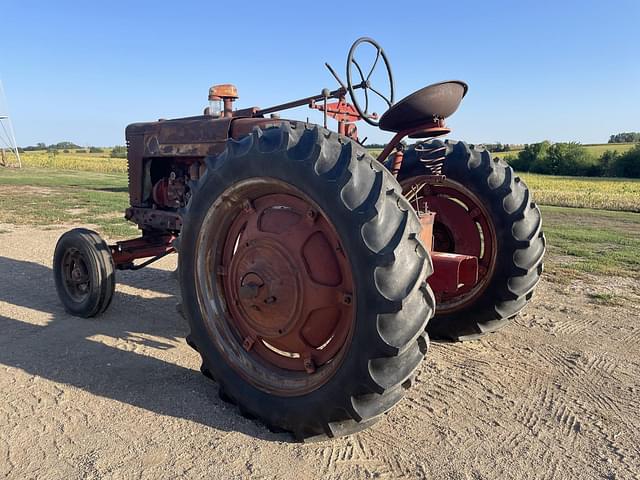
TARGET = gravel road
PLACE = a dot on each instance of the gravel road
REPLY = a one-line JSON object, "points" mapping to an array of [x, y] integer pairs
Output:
{"points": [[556, 395]]}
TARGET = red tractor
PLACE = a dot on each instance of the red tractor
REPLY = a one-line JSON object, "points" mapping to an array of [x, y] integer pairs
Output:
{"points": [[310, 271]]}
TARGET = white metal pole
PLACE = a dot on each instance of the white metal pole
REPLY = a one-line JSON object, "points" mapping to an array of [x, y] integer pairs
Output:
{"points": [[13, 145]]}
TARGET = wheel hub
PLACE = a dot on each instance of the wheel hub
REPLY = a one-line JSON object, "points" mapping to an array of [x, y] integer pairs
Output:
{"points": [[268, 292], [287, 283], [75, 274]]}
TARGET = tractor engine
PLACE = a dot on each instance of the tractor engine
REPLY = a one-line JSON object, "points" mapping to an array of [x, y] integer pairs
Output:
{"points": [[171, 191]]}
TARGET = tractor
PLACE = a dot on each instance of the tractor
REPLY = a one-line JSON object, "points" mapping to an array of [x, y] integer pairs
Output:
{"points": [[312, 274]]}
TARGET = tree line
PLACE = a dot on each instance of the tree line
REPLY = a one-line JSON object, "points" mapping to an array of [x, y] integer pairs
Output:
{"points": [[573, 159], [625, 137], [119, 151]]}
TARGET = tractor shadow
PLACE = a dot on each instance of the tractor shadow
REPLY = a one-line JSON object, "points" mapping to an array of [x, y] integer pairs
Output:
{"points": [[125, 354]]}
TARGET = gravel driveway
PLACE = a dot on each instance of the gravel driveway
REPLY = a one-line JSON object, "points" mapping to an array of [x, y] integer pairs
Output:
{"points": [[556, 395]]}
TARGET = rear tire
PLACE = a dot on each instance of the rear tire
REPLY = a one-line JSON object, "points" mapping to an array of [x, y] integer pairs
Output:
{"points": [[517, 225], [378, 232], [84, 272]]}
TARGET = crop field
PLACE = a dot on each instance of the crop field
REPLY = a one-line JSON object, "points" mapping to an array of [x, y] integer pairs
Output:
{"points": [[587, 192], [94, 162]]}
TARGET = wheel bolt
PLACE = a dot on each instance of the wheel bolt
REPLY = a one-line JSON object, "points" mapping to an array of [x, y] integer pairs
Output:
{"points": [[309, 365], [312, 215], [247, 206], [248, 343]]}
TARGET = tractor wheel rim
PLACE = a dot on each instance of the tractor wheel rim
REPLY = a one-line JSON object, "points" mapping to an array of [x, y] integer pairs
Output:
{"points": [[276, 261], [462, 225], [76, 279]]}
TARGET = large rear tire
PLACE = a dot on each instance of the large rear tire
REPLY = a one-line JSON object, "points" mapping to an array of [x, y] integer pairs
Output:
{"points": [[257, 201], [483, 197]]}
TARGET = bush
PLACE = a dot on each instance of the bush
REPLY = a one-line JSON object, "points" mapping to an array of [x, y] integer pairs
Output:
{"points": [[628, 164], [119, 151], [95, 150], [607, 162], [81, 151]]}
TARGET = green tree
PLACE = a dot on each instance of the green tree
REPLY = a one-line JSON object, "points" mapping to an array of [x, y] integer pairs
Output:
{"points": [[607, 163], [628, 164], [625, 137], [119, 151], [570, 159], [531, 157], [64, 145]]}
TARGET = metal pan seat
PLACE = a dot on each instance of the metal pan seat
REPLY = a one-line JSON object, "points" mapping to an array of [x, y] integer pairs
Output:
{"points": [[437, 101]]}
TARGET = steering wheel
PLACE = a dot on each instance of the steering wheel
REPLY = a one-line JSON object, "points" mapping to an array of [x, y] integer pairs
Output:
{"points": [[365, 84]]}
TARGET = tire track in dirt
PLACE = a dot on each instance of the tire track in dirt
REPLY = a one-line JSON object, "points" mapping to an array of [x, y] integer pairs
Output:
{"points": [[631, 339], [361, 455], [574, 325]]}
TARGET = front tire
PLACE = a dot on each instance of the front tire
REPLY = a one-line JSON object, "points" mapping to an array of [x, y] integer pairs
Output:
{"points": [[84, 272], [482, 209], [257, 201]]}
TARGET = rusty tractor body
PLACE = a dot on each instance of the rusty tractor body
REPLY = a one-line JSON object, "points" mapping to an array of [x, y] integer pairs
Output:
{"points": [[308, 269]]}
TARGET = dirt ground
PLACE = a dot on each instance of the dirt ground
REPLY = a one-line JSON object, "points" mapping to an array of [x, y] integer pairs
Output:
{"points": [[555, 395]]}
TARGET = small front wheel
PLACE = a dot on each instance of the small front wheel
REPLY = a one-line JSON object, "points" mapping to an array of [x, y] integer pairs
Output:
{"points": [[84, 272]]}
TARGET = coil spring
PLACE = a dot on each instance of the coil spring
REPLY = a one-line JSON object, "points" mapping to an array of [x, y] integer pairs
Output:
{"points": [[432, 157]]}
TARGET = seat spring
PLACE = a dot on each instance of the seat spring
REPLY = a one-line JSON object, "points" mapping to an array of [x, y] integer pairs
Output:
{"points": [[431, 157]]}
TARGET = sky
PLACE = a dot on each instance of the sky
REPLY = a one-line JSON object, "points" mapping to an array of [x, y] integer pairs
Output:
{"points": [[557, 70]]}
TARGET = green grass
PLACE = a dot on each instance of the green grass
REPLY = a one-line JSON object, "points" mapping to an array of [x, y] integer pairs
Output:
{"points": [[592, 241], [604, 298], [47, 197]]}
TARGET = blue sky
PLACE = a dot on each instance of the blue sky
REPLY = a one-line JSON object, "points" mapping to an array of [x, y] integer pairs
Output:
{"points": [[81, 71]]}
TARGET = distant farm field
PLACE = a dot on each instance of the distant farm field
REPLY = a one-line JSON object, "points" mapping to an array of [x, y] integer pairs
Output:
{"points": [[587, 192], [92, 162]]}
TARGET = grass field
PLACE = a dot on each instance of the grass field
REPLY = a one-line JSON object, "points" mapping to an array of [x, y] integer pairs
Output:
{"points": [[581, 240], [585, 240], [49, 197]]}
